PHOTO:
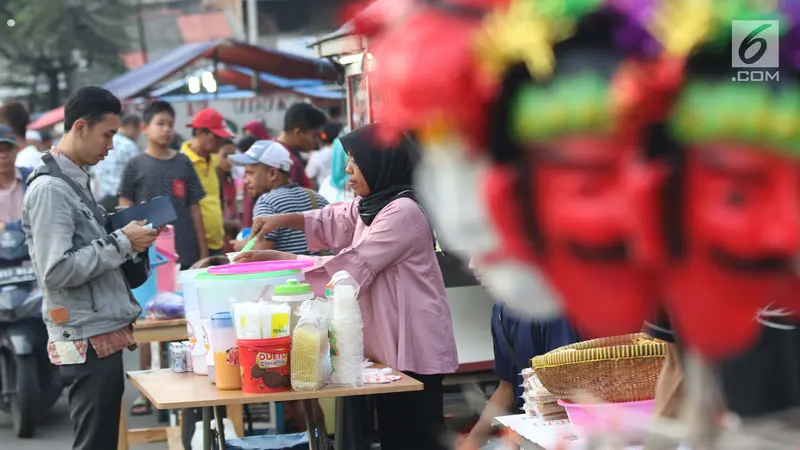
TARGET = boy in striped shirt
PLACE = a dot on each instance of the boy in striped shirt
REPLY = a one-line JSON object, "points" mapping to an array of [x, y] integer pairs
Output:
{"points": [[267, 166]]}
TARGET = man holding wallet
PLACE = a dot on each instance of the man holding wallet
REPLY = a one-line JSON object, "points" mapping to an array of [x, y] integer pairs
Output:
{"points": [[88, 305]]}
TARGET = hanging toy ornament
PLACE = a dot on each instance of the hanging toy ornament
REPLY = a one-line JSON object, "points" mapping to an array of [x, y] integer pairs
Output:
{"points": [[519, 34], [428, 75], [526, 32], [681, 25]]}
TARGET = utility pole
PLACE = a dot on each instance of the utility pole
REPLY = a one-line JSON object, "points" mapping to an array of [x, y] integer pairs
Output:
{"points": [[140, 26], [252, 22]]}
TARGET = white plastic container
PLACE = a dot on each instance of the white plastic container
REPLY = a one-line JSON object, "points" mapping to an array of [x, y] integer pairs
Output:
{"points": [[292, 294], [218, 293], [199, 342], [209, 357]]}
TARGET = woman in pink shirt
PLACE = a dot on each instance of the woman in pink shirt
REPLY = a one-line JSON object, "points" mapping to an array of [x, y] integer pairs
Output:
{"points": [[384, 240]]}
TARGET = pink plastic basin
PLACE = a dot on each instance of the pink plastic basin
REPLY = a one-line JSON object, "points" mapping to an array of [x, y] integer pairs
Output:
{"points": [[260, 267], [618, 417]]}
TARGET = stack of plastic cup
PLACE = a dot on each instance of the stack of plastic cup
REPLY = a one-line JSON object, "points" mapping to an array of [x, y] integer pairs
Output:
{"points": [[347, 338]]}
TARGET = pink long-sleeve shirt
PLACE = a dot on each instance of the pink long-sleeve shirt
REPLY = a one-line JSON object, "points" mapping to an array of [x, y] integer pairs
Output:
{"points": [[407, 321]]}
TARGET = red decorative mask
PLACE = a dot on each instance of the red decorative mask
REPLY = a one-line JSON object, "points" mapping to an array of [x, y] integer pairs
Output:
{"points": [[584, 226], [733, 241]]}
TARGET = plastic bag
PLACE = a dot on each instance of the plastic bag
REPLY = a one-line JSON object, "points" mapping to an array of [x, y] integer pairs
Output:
{"points": [[341, 278], [346, 331], [310, 358], [165, 306]]}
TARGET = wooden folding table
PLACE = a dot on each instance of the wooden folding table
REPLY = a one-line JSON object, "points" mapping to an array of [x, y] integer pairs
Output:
{"points": [[168, 390]]}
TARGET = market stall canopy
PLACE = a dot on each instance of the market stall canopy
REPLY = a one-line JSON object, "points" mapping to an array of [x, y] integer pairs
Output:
{"points": [[236, 53], [231, 52], [242, 79]]}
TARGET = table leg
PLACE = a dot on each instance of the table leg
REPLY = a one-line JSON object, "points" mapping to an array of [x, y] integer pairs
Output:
{"points": [[235, 413], [220, 428], [311, 425], [207, 411], [155, 355], [122, 440]]}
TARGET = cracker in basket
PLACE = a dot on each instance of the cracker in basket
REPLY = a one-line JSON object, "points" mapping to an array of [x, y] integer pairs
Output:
{"points": [[553, 417], [547, 409]]}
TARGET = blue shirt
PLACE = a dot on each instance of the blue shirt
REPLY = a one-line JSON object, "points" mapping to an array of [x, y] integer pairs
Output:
{"points": [[524, 339]]}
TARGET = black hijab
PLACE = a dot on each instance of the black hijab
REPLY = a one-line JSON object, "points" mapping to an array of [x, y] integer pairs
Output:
{"points": [[387, 169]]}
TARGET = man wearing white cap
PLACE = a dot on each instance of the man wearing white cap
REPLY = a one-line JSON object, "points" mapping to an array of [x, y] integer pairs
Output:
{"points": [[267, 165], [31, 155]]}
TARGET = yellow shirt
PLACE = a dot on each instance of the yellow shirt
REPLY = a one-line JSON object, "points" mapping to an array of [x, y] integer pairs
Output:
{"points": [[211, 204]]}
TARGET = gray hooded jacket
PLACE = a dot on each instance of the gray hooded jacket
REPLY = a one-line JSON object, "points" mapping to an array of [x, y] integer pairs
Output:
{"points": [[76, 261]]}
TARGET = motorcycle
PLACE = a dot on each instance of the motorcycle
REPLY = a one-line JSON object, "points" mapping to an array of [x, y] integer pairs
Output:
{"points": [[29, 383]]}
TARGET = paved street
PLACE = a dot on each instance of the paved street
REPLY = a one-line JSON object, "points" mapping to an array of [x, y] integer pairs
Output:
{"points": [[55, 431]]}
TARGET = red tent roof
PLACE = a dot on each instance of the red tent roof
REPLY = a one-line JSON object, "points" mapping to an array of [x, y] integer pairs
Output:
{"points": [[47, 119]]}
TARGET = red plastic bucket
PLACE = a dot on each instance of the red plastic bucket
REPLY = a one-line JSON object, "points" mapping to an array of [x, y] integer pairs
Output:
{"points": [[265, 365]]}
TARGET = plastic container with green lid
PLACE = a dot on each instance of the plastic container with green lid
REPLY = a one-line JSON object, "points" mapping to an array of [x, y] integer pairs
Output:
{"points": [[293, 293], [218, 293]]}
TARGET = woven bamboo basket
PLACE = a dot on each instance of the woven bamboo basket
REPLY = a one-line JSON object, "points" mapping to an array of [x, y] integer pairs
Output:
{"points": [[614, 369]]}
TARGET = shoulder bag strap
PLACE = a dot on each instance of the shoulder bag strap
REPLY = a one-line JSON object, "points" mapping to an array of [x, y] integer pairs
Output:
{"points": [[313, 198], [437, 246], [55, 171]]}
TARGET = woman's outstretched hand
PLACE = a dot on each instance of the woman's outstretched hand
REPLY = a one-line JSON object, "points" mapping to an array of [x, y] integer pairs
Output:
{"points": [[263, 255], [263, 225]]}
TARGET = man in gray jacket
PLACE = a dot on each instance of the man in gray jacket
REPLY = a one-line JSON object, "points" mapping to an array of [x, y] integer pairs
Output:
{"points": [[88, 306]]}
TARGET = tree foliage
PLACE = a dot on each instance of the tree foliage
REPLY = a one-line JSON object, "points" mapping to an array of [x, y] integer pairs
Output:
{"points": [[53, 39]]}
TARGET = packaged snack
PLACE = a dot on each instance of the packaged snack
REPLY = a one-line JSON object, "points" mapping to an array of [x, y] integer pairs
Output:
{"points": [[310, 357], [547, 409], [557, 416]]}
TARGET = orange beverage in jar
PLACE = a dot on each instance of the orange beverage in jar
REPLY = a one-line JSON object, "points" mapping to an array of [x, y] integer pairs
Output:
{"points": [[226, 352], [226, 367]]}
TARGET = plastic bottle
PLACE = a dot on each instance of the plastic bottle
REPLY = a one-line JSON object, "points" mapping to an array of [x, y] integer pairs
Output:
{"points": [[292, 294], [346, 338]]}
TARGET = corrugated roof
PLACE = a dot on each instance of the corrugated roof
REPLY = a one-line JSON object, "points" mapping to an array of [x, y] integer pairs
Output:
{"points": [[261, 59]]}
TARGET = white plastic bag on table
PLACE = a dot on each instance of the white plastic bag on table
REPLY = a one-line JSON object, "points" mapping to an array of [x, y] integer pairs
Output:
{"points": [[341, 278], [310, 368], [346, 331]]}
